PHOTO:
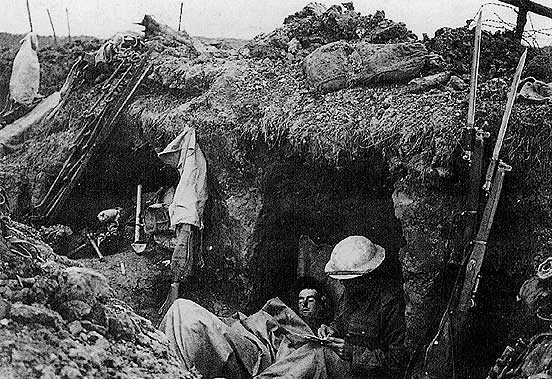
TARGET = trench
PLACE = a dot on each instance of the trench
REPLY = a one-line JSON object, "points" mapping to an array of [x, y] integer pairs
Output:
{"points": [[299, 198]]}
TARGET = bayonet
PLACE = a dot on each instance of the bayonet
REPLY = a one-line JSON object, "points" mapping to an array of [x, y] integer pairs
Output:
{"points": [[469, 129], [504, 124]]}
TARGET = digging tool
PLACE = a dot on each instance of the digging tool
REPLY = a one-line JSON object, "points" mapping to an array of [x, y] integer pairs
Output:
{"points": [[95, 246], [138, 245], [505, 118]]}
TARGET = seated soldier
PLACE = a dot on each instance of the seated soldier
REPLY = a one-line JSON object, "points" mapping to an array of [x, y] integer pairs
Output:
{"points": [[366, 338]]}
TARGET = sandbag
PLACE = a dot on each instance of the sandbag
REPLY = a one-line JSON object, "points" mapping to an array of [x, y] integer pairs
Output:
{"points": [[341, 64], [535, 90], [25, 76]]}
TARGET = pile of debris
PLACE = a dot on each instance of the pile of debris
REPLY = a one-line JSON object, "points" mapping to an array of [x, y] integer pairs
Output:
{"points": [[315, 25], [455, 47], [58, 319]]}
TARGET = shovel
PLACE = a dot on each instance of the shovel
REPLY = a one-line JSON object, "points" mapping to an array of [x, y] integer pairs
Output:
{"points": [[138, 245]]}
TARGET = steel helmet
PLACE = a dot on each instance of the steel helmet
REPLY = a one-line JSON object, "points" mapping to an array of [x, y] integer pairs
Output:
{"points": [[353, 257]]}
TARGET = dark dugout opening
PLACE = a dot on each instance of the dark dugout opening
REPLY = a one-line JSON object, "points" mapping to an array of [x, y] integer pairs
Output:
{"points": [[326, 203], [111, 177]]}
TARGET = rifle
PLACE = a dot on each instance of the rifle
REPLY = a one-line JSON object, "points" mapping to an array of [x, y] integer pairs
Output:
{"points": [[475, 144], [439, 359], [473, 153], [440, 354]]}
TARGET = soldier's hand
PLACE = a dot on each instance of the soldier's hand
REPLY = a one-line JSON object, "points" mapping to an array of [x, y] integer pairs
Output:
{"points": [[338, 345], [325, 331]]}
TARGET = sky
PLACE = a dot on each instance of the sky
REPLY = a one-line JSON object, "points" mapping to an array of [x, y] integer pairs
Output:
{"points": [[238, 18]]}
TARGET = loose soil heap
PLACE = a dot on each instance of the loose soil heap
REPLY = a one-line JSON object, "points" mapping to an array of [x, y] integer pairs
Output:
{"points": [[59, 320]]}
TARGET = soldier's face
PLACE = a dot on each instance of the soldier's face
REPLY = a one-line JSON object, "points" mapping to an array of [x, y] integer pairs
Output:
{"points": [[309, 305]]}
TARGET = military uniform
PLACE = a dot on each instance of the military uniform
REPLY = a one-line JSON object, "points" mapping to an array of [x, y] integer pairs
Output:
{"points": [[373, 326]]}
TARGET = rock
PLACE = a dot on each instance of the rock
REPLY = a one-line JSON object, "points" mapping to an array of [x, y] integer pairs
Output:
{"points": [[6, 293], [75, 327], [4, 308], [457, 84], [68, 372], [58, 237], [49, 372], [122, 326], [294, 46], [43, 289], [80, 290], [75, 310], [340, 64], [88, 325], [428, 82], [24, 295], [37, 314]]}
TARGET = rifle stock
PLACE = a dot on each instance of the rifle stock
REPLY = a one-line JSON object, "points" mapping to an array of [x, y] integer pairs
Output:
{"points": [[439, 359]]}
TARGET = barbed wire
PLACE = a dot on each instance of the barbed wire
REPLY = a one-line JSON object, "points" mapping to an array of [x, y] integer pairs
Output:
{"points": [[530, 34]]}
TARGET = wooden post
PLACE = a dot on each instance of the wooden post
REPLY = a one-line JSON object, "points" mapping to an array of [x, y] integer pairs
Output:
{"points": [[520, 23], [52, 25], [525, 6], [180, 18], [29, 15], [68, 26]]}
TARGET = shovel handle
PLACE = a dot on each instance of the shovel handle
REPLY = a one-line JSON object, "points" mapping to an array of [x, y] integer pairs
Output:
{"points": [[138, 211]]}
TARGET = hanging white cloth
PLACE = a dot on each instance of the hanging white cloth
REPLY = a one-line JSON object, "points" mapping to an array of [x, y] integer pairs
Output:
{"points": [[25, 76], [190, 196]]}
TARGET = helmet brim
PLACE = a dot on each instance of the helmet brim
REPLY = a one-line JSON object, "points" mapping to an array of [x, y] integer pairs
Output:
{"points": [[368, 267], [344, 276]]}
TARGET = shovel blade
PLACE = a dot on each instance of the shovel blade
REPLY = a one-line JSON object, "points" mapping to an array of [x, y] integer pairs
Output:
{"points": [[138, 247]]}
